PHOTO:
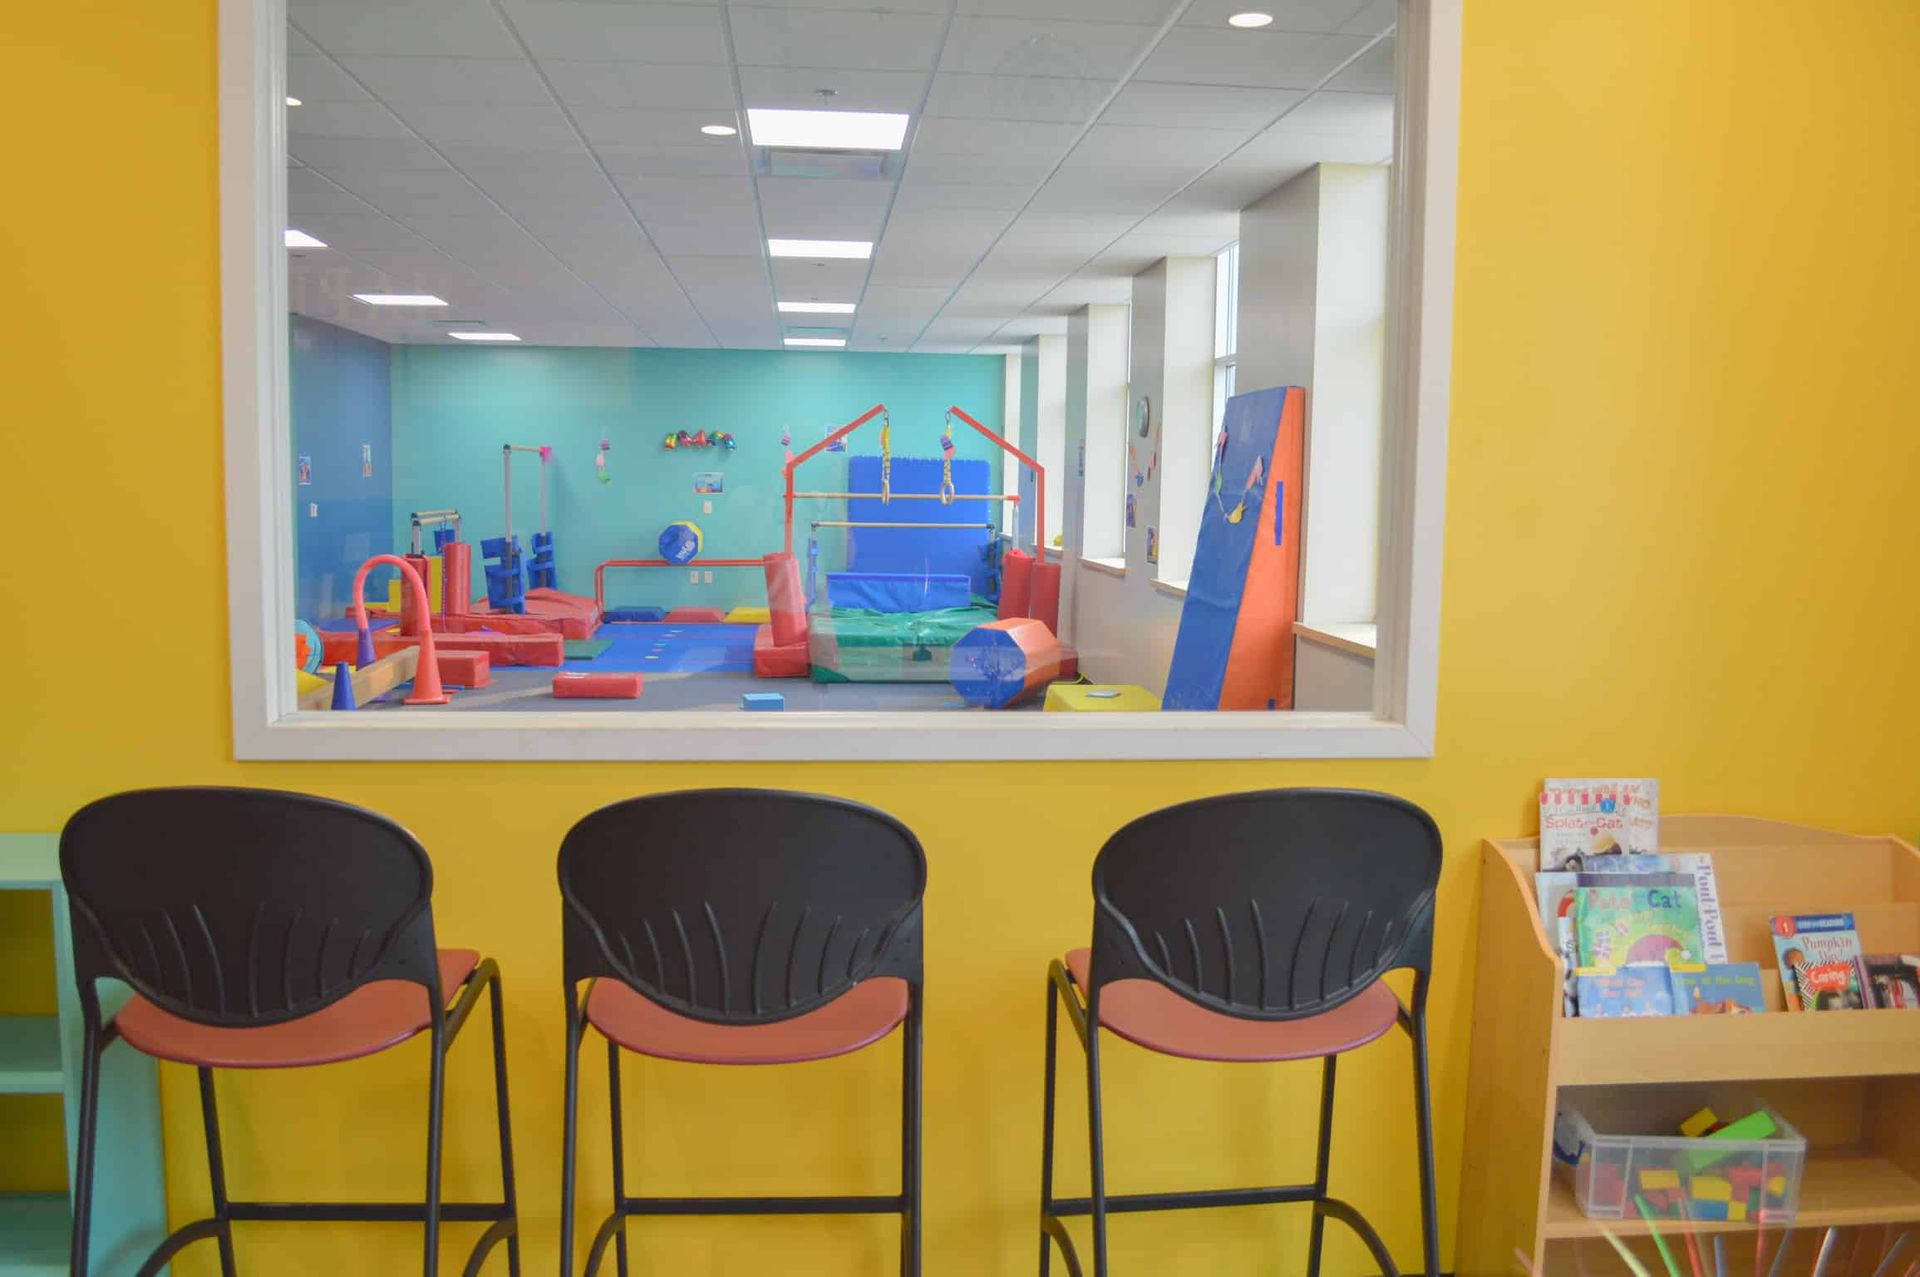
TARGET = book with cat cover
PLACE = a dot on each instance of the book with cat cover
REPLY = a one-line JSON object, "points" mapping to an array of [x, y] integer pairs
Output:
{"points": [[1554, 892], [1619, 925], [1893, 979], [1580, 818], [1820, 962]]}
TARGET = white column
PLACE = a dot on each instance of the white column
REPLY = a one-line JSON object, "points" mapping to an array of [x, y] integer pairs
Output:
{"points": [[1096, 430], [1052, 428]]}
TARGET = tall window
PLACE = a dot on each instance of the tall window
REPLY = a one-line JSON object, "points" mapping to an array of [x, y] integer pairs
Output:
{"points": [[1226, 330]]}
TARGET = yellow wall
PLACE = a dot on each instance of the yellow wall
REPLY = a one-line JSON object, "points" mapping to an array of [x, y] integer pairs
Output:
{"points": [[1680, 542]]}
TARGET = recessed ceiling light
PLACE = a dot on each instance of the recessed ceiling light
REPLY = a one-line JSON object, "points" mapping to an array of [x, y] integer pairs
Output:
{"points": [[859, 249], [829, 130], [718, 130], [1248, 21], [484, 336], [817, 308], [816, 341], [293, 101], [399, 299], [300, 239]]}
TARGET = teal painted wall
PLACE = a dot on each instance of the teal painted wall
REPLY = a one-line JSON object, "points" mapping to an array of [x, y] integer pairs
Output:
{"points": [[453, 407]]}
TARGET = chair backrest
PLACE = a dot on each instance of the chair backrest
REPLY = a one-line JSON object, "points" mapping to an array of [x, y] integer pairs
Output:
{"points": [[741, 906], [1268, 906], [245, 907]]}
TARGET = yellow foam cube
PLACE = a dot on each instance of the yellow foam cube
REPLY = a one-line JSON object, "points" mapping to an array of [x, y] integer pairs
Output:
{"points": [[1699, 1124], [1653, 1181], [1710, 1188], [1095, 697], [1736, 1212], [748, 616]]}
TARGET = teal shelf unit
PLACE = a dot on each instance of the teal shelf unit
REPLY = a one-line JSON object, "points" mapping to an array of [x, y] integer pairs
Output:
{"points": [[40, 1055]]}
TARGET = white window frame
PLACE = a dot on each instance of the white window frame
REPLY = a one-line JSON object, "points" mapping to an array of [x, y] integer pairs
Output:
{"points": [[1226, 332], [268, 725]]}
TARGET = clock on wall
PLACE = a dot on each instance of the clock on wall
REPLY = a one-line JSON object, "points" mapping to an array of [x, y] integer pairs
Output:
{"points": [[1143, 415]]}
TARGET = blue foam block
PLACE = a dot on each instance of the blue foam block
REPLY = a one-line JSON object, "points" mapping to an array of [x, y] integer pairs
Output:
{"points": [[636, 614], [762, 701], [898, 591]]}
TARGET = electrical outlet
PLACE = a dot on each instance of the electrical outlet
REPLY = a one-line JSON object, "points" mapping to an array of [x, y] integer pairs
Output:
{"points": [[694, 576], [709, 576], [313, 509], [706, 507]]}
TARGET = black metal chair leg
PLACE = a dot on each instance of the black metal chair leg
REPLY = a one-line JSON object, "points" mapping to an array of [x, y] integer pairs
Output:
{"points": [[1317, 1235], [1046, 1126], [507, 1191], [217, 1171], [1423, 1117], [84, 1153], [910, 1194], [1095, 1144], [436, 1107], [570, 1138], [616, 1120]]}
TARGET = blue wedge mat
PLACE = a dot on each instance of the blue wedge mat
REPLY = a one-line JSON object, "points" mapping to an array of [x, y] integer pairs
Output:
{"points": [[673, 649]]}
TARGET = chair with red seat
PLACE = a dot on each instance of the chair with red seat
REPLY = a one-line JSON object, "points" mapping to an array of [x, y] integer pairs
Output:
{"points": [[263, 930], [1252, 928], [740, 926]]}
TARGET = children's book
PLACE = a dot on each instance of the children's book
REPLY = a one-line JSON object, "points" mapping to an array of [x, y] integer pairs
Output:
{"points": [[1641, 988], [1893, 980], [1617, 925], [1555, 894], [1583, 818], [1820, 962], [1717, 988]]}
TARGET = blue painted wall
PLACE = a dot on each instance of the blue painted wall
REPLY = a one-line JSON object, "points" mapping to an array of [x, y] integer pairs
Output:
{"points": [[341, 400], [453, 407]]}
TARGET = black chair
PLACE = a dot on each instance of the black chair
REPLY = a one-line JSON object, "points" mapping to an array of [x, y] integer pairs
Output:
{"points": [[269, 930], [1252, 928], [741, 926]]}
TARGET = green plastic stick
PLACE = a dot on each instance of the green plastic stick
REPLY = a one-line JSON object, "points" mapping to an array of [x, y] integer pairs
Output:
{"points": [[1646, 1213]]}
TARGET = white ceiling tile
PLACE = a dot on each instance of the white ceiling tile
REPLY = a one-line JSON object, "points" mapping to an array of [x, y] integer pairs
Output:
{"points": [[797, 88], [1157, 244], [1079, 196], [1198, 106], [686, 198], [408, 193], [666, 160], [1027, 47], [316, 79], [1148, 12], [1139, 149], [1245, 178], [822, 208], [796, 280], [643, 85], [1326, 16], [368, 119], [451, 81], [1371, 72], [594, 30], [1012, 97], [530, 164], [1090, 289], [919, 192], [308, 190], [648, 126], [330, 153], [1265, 58], [992, 137], [1365, 116], [872, 40], [527, 127], [719, 232], [1374, 17], [1187, 215], [559, 181], [353, 231], [416, 28]]}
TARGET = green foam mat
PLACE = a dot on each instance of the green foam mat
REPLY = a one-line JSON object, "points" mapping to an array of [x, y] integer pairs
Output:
{"points": [[586, 649]]}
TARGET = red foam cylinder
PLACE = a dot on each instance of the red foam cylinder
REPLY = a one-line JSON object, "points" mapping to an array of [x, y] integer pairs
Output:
{"points": [[1044, 605], [622, 685], [786, 601], [456, 587], [1016, 584], [778, 660]]}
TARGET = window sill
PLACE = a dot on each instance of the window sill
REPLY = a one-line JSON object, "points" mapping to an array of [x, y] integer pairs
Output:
{"points": [[1354, 639], [1112, 567], [1173, 589]]}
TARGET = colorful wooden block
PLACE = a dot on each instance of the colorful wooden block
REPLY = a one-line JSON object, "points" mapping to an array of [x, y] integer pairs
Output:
{"points": [[1736, 1212], [1652, 1181], [1699, 1124], [1714, 1212], [762, 701], [1710, 1188]]}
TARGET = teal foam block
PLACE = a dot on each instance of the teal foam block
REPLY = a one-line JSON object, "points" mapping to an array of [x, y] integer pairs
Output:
{"points": [[762, 701]]}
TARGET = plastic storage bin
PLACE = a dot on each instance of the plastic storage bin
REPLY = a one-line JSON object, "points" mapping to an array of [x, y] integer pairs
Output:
{"points": [[1703, 1180]]}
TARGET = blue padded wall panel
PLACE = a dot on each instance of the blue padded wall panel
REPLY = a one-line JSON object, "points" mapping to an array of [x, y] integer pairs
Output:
{"points": [[920, 550]]}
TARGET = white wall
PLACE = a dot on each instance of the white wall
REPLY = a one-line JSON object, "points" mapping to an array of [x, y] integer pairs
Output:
{"points": [[1096, 431], [1051, 439], [1027, 439], [1185, 412], [1330, 678], [1010, 469]]}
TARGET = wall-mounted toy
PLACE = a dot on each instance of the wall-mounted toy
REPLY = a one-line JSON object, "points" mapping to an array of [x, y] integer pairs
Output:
{"points": [[700, 439], [680, 542], [600, 461]]}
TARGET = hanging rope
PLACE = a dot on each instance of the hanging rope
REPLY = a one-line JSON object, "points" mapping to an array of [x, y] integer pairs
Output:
{"points": [[946, 463], [886, 459]]}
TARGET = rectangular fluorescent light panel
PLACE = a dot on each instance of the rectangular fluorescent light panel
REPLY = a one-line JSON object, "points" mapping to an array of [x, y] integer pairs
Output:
{"points": [[857, 249], [300, 239], [816, 308], [484, 336], [399, 299], [828, 130], [816, 341]]}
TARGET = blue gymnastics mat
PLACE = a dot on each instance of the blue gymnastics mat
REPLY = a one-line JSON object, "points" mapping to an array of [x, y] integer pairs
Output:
{"points": [[673, 649]]}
